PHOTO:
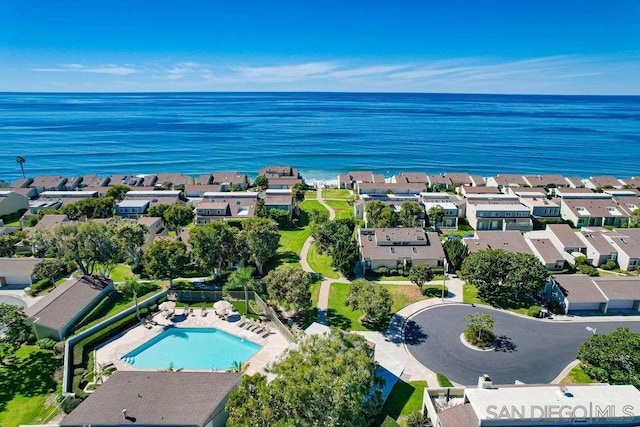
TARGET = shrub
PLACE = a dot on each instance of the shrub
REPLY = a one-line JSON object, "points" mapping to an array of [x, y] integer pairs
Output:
{"points": [[534, 311], [69, 404], [382, 270], [82, 348], [59, 347], [184, 285], [588, 269], [554, 307], [443, 381], [609, 265], [39, 286], [78, 371], [46, 344]]}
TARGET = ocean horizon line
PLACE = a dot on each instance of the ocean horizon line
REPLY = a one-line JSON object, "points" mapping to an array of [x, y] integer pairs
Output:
{"points": [[327, 92]]}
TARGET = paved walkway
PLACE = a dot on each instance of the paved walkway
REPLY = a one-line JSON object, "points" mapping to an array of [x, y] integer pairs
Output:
{"points": [[323, 298]]}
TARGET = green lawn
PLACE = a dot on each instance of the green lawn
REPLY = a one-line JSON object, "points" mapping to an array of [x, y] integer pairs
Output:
{"points": [[345, 318], [121, 272], [115, 304], [312, 315], [292, 240], [14, 223], [28, 410], [321, 263], [25, 350], [577, 376], [405, 399], [336, 194], [470, 296], [342, 208]]}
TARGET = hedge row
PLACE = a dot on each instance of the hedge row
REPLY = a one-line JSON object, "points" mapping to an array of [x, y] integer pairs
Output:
{"points": [[39, 286], [83, 347]]}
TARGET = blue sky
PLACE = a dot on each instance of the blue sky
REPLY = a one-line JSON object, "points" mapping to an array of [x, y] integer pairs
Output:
{"points": [[491, 46]]}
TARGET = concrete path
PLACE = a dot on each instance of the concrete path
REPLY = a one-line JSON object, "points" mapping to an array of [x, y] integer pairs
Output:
{"points": [[332, 213], [390, 351]]}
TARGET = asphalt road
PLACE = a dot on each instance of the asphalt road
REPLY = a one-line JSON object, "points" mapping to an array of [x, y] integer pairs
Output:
{"points": [[533, 351]]}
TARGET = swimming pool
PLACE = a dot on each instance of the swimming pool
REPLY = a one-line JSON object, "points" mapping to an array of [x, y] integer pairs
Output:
{"points": [[192, 349]]}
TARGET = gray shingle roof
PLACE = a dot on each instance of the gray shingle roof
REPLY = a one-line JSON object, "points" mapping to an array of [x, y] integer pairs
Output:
{"points": [[18, 265], [57, 308], [155, 398]]}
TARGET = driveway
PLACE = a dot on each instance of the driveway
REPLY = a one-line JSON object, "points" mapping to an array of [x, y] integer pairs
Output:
{"points": [[533, 351]]}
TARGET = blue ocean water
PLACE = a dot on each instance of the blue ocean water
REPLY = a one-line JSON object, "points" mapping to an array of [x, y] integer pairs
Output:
{"points": [[323, 134]]}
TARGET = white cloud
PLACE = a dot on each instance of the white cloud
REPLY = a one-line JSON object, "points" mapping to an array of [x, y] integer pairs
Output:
{"points": [[619, 73], [79, 68]]}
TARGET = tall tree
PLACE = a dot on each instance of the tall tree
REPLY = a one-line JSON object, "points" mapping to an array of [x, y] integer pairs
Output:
{"points": [[166, 259], [215, 244], [505, 277], [21, 161], [242, 278], [373, 210], [262, 238], [612, 358], [420, 274], [8, 243], [51, 269], [456, 252], [298, 193], [436, 215], [16, 329], [373, 300], [289, 286], [344, 255], [130, 236], [479, 330], [158, 210], [177, 216], [90, 245], [327, 380], [118, 192], [131, 287], [410, 213], [261, 183]]}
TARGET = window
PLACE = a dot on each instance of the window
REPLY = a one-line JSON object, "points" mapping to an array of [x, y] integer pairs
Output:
{"points": [[393, 250], [414, 250]]}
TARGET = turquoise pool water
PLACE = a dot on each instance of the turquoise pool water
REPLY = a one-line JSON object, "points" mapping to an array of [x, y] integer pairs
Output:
{"points": [[192, 349]]}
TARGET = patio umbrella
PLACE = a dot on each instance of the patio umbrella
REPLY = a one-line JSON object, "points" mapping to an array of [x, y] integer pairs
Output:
{"points": [[222, 305], [167, 306]]}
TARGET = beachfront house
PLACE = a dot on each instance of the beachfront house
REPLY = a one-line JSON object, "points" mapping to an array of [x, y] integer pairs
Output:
{"points": [[603, 182], [399, 248], [281, 177], [394, 201], [148, 398], [55, 315], [230, 181], [349, 180]]}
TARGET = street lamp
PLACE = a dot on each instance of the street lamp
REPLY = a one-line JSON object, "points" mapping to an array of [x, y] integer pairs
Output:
{"points": [[444, 280]]}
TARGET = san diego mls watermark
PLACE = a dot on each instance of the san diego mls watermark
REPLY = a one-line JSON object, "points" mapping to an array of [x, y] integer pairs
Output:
{"points": [[548, 412]]}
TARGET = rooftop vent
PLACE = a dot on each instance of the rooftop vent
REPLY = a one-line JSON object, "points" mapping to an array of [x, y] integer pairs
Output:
{"points": [[485, 382]]}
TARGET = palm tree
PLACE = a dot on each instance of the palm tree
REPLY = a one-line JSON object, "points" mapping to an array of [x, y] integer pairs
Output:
{"points": [[242, 278], [130, 286], [21, 160]]}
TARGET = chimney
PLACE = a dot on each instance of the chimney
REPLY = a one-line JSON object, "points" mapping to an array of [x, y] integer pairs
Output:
{"points": [[484, 381]]}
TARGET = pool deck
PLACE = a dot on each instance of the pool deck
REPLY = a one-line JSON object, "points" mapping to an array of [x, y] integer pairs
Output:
{"points": [[111, 352]]}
